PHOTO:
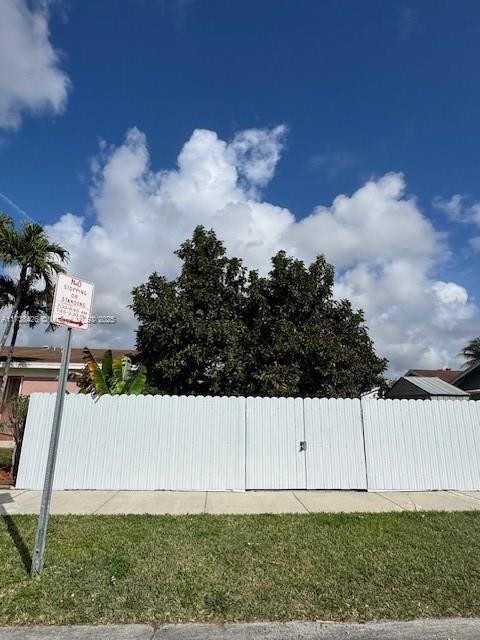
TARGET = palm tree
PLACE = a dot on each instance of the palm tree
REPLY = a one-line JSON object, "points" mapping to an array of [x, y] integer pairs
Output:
{"points": [[471, 352], [38, 258], [34, 304]]}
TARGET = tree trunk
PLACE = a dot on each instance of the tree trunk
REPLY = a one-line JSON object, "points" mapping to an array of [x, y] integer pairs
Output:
{"points": [[8, 361], [18, 299], [16, 304], [6, 331]]}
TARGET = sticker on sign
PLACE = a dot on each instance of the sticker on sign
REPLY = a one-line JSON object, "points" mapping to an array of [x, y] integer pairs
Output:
{"points": [[72, 304]]}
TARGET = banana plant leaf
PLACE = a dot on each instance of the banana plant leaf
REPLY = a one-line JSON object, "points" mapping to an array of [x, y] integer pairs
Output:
{"points": [[126, 368], [138, 383], [100, 383], [115, 376], [120, 378], [107, 364]]}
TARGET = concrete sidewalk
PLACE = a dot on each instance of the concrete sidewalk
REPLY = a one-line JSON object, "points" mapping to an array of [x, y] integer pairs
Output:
{"points": [[449, 629], [184, 502]]}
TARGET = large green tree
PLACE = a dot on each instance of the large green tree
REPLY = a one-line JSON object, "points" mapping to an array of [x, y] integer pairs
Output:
{"points": [[218, 330], [300, 340], [191, 329]]}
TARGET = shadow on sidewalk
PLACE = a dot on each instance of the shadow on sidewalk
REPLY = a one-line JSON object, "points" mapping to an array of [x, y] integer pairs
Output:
{"points": [[15, 534]]}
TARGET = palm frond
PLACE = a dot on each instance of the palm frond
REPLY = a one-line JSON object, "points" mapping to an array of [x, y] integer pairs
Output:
{"points": [[471, 352], [8, 290]]}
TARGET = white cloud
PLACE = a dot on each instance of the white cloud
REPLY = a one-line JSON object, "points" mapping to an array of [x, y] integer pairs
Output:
{"points": [[30, 77], [475, 219], [415, 321], [255, 153], [382, 245], [453, 208], [460, 209], [475, 213], [376, 223]]}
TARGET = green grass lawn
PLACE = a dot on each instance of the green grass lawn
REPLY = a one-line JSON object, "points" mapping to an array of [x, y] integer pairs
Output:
{"points": [[152, 569]]}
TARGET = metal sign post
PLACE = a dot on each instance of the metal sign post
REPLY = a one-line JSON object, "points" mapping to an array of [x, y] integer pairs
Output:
{"points": [[72, 306], [40, 538]]}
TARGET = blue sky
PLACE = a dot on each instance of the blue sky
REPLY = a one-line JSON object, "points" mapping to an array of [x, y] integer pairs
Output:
{"points": [[362, 89]]}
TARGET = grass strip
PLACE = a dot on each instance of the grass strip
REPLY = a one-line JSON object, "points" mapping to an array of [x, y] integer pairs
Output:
{"points": [[157, 569]]}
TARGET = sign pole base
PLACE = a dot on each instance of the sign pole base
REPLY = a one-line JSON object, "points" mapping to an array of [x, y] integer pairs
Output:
{"points": [[41, 536]]}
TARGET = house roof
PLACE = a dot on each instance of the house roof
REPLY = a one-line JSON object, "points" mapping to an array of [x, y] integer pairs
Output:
{"points": [[434, 386], [462, 374], [54, 354], [448, 375]]}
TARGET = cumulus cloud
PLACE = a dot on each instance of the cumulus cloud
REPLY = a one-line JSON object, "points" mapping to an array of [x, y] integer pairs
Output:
{"points": [[30, 75], [415, 321], [381, 244], [376, 223], [255, 153]]}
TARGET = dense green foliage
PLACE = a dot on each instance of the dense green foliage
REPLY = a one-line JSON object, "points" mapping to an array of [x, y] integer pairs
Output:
{"points": [[114, 376], [217, 329]]}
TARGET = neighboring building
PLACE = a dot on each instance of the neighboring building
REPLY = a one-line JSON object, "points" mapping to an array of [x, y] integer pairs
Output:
{"points": [[425, 388], [469, 380], [37, 368], [373, 394], [465, 379], [447, 375]]}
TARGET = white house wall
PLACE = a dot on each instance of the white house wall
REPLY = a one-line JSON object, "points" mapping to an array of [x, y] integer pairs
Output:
{"points": [[205, 443]]}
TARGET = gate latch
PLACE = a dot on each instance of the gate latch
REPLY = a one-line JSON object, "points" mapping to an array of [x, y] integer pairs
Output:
{"points": [[303, 445]]}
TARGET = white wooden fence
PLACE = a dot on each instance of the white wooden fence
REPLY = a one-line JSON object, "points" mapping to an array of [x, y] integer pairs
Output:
{"points": [[220, 443]]}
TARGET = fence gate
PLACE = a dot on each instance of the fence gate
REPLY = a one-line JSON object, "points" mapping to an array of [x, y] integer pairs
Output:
{"points": [[335, 456], [275, 458]]}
